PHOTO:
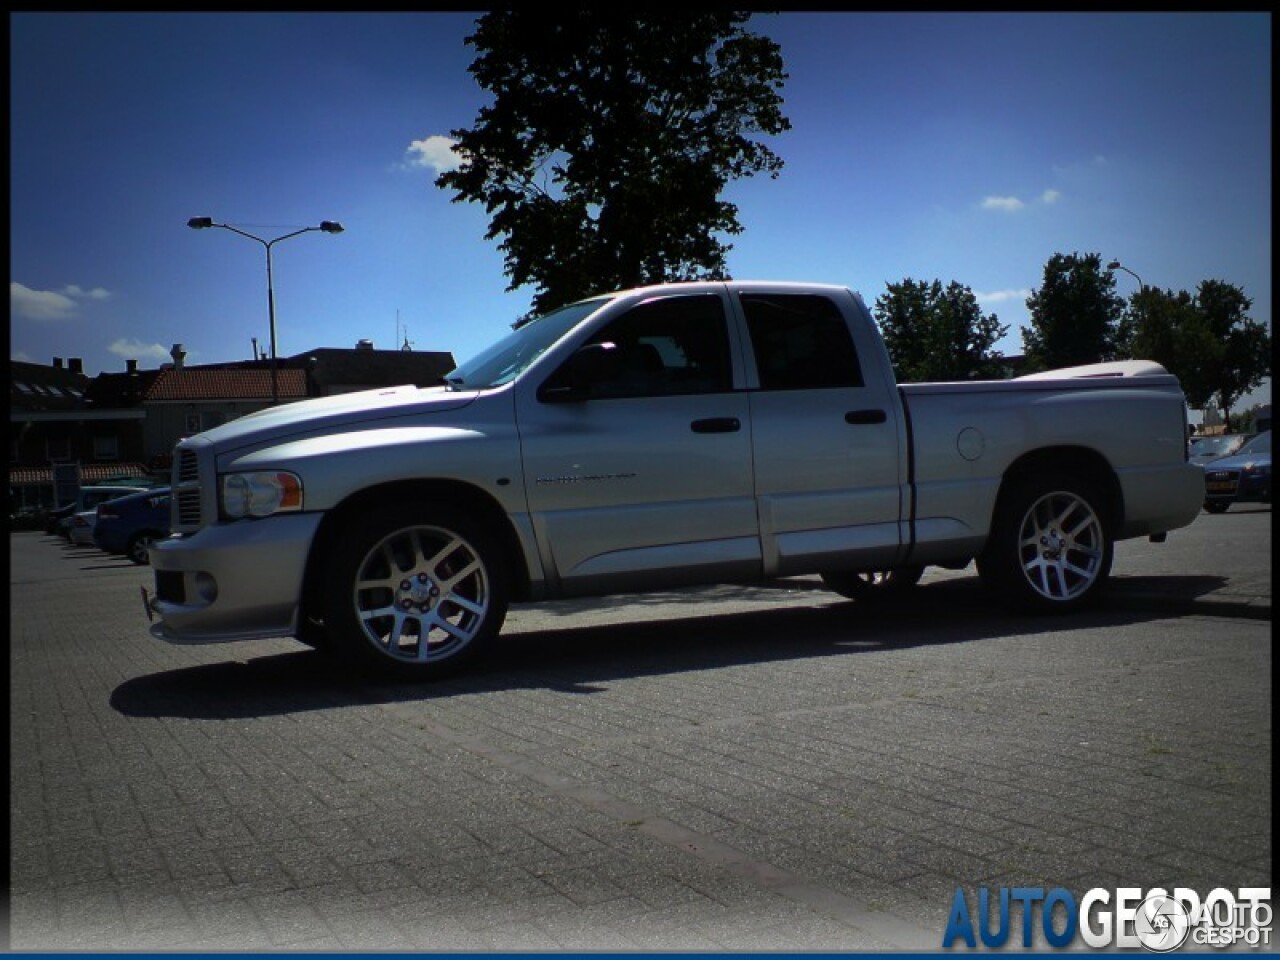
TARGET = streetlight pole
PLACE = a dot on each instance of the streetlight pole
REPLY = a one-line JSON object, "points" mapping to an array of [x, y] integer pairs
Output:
{"points": [[326, 226], [1117, 265], [1139, 298]]}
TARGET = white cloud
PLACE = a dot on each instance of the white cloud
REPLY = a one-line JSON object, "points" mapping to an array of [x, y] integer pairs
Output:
{"points": [[1007, 204], [49, 304], [134, 349], [79, 293], [435, 151], [39, 304], [1050, 196], [20, 355], [1001, 296]]}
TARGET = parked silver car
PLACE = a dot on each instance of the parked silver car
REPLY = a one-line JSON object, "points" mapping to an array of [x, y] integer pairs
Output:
{"points": [[1204, 450]]}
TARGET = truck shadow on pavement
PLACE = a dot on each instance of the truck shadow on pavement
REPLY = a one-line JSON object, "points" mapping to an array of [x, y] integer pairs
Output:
{"points": [[585, 659]]}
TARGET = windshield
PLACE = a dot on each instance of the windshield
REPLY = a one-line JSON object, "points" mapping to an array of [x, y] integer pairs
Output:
{"points": [[1259, 444], [1217, 446], [510, 356]]}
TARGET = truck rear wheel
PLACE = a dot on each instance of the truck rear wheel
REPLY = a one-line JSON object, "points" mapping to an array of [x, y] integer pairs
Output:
{"points": [[1050, 548], [414, 591], [873, 585]]}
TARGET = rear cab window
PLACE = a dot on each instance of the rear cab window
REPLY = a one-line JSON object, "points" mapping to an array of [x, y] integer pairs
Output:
{"points": [[800, 342]]}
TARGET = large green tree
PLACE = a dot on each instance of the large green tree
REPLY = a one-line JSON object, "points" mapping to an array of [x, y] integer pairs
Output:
{"points": [[1166, 327], [1075, 315], [1244, 358], [610, 137], [1216, 350], [937, 333]]}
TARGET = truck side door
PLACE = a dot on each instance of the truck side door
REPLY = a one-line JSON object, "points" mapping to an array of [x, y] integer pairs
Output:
{"points": [[641, 473], [828, 440]]}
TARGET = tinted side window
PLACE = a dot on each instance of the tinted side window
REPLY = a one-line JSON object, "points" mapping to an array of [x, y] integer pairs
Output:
{"points": [[669, 346], [801, 342]]}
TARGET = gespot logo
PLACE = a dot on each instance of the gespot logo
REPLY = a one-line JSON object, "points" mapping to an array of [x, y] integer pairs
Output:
{"points": [[1128, 918]]}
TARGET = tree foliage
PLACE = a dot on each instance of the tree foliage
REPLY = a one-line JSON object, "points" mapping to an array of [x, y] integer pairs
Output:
{"points": [[1216, 350], [936, 334], [1075, 315], [610, 137]]}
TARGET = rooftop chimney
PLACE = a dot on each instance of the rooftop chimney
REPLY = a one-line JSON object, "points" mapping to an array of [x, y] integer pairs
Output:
{"points": [[57, 363], [179, 355], [364, 345], [75, 364], [131, 366]]}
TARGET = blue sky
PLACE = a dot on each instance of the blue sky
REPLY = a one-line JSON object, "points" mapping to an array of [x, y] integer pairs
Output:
{"points": [[963, 146]]}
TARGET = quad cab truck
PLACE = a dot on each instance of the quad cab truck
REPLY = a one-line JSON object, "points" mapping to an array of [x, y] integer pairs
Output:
{"points": [[672, 435]]}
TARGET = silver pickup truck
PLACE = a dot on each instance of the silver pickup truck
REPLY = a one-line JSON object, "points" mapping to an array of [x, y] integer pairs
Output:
{"points": [[671, 435]]}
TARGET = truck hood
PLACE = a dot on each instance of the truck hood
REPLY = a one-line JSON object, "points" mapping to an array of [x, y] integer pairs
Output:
{"points": [[335, 414]]}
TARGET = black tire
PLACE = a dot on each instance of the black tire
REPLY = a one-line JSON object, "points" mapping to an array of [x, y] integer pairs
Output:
{"points": [[136, 548], [413, 591], [1051, 545], [1217, 506], [873, 585]]}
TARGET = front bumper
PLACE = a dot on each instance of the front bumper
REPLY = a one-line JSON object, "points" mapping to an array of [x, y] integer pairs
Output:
{"points": [[235, 581], [1237, 486]]}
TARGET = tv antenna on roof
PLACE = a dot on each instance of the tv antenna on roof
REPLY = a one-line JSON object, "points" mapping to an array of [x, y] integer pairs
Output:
{"points": [[406, 346]]}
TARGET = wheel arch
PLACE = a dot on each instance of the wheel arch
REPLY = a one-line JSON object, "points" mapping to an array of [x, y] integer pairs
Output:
{"points": [[1076, 461], [470, 498]]}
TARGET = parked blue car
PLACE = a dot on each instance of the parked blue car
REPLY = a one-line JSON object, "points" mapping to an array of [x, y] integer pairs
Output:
{"points": [[128, 525], [1243, 477]]}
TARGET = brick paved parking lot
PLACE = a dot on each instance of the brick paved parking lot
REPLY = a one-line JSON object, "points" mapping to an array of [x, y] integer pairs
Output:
{"points": [[727, 770]]}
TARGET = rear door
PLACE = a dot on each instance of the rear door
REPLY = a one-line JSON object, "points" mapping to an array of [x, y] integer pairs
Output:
{"points": [[828, 439]]}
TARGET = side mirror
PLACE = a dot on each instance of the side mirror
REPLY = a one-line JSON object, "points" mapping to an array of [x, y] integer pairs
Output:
{"points": [[590, 365]]}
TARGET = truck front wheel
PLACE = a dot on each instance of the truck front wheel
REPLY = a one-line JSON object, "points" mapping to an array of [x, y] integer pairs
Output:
{"points": [[415, 591], [1050, 548]]}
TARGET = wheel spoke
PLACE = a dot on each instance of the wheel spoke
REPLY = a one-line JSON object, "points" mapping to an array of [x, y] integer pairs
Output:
{"points": [[377, 612], [1068, 508], [447, 585], [389, 556], [1035, 571], [396, 633], [1085, 524], [447, 626], [1085, 573], [466, 604], [434, 563]]}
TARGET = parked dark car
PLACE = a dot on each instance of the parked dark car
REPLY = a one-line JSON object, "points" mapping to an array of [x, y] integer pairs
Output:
{"points": [[59, 520], [1244, 477], [128, 525]]}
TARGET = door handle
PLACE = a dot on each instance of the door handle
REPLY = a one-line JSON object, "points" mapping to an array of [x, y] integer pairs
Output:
{"points": [[716, 425], [858, 417]]}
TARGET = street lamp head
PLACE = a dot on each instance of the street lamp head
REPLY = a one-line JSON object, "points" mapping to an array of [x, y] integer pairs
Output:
{"points": [[200, 223], [330, 226], [1113, 265]]}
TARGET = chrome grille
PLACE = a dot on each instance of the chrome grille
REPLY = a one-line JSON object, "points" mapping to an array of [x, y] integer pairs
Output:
{"points": [[186, 491], [188, 467]]}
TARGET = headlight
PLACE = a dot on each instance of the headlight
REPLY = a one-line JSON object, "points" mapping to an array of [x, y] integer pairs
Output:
{"points": [[260, 494]]}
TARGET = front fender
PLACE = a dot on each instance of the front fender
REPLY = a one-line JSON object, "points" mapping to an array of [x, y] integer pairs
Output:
{"points": [[333, 468]]}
